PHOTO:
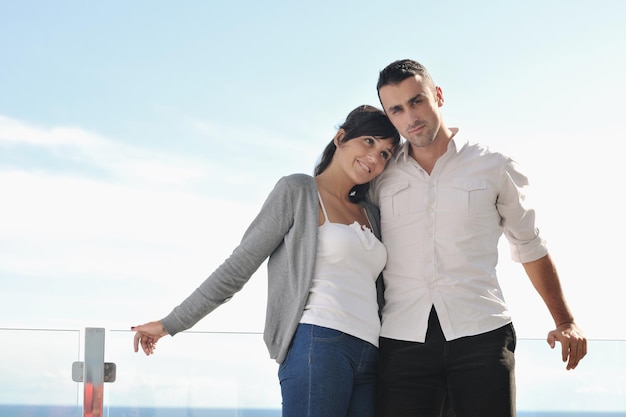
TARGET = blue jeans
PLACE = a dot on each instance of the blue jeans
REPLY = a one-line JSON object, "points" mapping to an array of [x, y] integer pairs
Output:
{"points": [[328, 373]]}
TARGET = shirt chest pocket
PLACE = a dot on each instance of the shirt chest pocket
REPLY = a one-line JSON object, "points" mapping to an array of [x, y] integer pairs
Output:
{"points": [[464, 195], [402, 198]]}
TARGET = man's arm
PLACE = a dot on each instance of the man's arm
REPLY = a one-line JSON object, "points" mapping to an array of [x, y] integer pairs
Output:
{"points": [[543, 275]]}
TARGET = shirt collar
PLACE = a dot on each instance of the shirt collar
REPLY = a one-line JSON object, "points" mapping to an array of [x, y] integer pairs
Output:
{"points": [[403, 152]]}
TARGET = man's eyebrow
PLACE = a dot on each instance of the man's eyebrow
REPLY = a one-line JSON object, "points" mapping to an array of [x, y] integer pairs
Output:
{"points": [[394, 107], [412, 99], [416, 96]]}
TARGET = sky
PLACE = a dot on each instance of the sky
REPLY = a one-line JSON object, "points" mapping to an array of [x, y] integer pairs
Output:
{"points": [[139, 139]]}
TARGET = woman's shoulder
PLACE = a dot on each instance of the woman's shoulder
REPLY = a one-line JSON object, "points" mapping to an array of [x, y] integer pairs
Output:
{"points": [[291, 187], [298, 181]]}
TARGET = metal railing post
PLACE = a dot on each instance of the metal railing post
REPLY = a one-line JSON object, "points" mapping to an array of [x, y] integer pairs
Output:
{"points": [[94, 372]]}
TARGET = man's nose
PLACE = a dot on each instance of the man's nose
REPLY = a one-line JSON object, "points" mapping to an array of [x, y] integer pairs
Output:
{"points": [[412, 118]]}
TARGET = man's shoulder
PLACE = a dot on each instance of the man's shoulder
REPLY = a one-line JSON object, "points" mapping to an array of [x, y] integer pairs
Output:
{"points": [[478, 149], [392, 177]]}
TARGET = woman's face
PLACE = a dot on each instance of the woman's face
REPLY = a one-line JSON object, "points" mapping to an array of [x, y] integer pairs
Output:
{"points": [[364, 157]]}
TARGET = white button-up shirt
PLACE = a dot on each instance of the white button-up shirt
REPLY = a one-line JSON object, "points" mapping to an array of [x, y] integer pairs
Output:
{"points": [[441, 232]]}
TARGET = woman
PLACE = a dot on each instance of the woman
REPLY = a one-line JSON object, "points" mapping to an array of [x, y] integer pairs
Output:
{"points": [[325, 258]]}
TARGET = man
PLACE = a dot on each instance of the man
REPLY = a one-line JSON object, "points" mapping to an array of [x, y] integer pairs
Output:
{"points": [[447, 335]]}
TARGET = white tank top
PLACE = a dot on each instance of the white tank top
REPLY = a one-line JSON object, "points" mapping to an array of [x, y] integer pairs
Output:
{"points": [[343, 295]]}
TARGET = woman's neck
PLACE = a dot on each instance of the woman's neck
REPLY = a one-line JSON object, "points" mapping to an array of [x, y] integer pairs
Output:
{"points": [[334, 186]]}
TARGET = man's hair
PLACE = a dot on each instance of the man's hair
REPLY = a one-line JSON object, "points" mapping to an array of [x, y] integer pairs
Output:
{"points": [[400, 70]]}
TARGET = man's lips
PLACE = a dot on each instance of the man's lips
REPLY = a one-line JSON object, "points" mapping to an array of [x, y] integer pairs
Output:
{"points": [[416, 129]]}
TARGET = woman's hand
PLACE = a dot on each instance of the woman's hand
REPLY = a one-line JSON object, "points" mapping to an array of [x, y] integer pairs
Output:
{"points": [[147, 335]]}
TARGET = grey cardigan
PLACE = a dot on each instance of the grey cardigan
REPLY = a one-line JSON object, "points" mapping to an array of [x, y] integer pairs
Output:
{"points": [[285, 230]]}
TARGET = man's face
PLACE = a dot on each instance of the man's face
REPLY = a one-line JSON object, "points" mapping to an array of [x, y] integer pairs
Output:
{"points": [[413, 108]]}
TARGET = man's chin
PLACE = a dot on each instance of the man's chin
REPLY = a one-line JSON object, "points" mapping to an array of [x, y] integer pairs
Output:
{"points": [[419, 142]]}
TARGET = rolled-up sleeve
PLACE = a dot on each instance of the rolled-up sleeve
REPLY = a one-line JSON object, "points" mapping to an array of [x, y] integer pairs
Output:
{"points": [[518, 217]]}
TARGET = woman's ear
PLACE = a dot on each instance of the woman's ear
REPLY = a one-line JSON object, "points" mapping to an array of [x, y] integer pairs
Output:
{"points": [[339, 137]]}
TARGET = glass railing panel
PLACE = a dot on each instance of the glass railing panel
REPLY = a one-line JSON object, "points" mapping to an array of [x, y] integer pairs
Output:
{"points": [[232, 373], [36, 373], [194, 373], [204, 374], [598, 384]]}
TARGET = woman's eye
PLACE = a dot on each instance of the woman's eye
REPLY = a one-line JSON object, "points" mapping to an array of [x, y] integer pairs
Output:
{"points": [[369, 141], [385, 155]]}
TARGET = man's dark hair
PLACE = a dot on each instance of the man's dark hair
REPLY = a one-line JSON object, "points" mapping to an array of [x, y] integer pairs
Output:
{"points": [[400, 70]]}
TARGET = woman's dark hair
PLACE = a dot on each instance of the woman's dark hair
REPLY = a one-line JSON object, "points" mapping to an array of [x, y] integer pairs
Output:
{"points": [[365, 120]]}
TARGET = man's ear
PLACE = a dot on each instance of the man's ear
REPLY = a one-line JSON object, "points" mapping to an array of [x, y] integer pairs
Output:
{"points": [[439, 96]]}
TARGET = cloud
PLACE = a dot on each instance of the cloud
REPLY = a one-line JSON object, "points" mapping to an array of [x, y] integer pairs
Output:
{"points": [[100, 154], [143, 221], [18, 132], [95, 220], [72, 244], [206, 155]]}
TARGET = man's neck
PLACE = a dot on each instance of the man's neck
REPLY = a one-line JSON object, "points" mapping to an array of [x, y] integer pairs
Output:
{"points": [[427, 156]]}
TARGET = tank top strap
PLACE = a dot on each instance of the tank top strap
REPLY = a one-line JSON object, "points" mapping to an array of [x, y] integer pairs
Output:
{"points": [[323, 208]]}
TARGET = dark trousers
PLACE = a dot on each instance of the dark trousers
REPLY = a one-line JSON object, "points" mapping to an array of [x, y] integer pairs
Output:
{"points": [[466, 377]]}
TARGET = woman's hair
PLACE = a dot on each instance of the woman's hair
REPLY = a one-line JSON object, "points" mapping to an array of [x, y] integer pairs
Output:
{"points": [[365, 120]]}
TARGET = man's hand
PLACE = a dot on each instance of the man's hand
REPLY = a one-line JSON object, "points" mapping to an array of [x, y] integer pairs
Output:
{"points": [[573, 343]]}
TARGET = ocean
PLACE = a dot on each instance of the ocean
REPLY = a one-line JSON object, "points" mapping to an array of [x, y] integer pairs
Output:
{"points": [[74, 411]]}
